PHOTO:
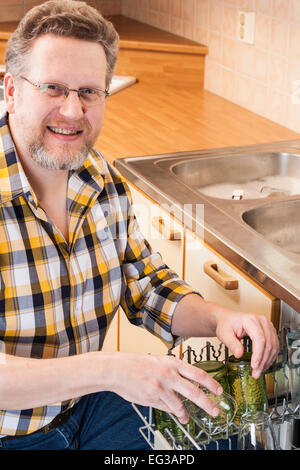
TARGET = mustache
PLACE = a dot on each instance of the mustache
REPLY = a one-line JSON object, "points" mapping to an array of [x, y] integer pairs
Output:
{"points": [[81, 125]]}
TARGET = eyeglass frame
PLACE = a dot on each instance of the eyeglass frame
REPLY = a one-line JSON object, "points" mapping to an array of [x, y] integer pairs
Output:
{"points": [[67, 89]]}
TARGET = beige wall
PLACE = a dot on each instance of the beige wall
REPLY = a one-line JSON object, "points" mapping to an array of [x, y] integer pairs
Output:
{"points": [[259, 77]]}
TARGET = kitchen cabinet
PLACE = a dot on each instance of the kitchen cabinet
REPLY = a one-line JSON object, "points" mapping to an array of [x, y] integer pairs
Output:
{"points": [[219, 281], [165, 235]]}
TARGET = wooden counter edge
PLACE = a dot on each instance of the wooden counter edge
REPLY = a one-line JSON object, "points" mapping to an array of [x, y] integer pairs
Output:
{"points": [[163, 47]]}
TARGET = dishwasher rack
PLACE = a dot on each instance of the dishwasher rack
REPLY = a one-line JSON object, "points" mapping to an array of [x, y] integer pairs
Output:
{"points": [[285, 419]]}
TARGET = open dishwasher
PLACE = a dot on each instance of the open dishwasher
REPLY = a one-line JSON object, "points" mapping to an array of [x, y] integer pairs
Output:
{"points": [[284, 417]]}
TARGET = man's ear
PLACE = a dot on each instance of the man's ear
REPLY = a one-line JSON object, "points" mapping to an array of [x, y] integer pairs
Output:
{"points": [[9, 92]]}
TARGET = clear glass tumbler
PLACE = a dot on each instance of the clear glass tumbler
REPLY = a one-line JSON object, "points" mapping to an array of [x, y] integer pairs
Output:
{"points": [[213, 426], [256, 432]]}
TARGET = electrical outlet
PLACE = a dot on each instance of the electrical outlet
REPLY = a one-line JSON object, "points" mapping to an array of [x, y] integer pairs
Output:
{"points": [[246, 26]]}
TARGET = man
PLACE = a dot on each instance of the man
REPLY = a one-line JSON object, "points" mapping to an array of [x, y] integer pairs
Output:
{"points": [[71, 253]]}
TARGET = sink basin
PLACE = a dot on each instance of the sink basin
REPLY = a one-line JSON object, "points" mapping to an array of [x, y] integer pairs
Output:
{"points": [[278, 222], [254, 175]]}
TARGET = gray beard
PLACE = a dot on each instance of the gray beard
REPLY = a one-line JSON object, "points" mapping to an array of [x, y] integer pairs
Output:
{"points": [[41, 156]]}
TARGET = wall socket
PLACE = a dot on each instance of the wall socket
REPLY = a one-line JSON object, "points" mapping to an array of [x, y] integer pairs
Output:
{"points": [[246, 26]]}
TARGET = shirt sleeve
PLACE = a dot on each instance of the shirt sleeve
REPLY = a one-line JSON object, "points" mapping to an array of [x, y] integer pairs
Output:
{"points": [[152, 289]]}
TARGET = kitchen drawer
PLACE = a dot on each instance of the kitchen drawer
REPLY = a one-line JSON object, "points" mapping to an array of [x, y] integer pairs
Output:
{"points": [[219, 281]]}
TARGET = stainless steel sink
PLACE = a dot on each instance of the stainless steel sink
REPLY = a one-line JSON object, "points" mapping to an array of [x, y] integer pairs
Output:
{"points": [[259, 233], [277, 222], [254, 175]]}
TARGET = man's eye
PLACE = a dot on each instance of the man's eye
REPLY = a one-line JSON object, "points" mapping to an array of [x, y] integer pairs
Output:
{"points": [[53, 90], [89, 94], [88, 91]]}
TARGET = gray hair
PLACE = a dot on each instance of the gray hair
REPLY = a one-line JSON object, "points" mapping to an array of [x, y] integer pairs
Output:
{"points": [[67, 18]]}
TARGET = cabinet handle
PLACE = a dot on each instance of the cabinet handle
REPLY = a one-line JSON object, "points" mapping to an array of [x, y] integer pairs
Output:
{"points": [[221, 277], [168, 233]]}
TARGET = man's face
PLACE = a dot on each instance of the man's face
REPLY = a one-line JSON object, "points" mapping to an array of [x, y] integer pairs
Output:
{"points": [[40, 123]]}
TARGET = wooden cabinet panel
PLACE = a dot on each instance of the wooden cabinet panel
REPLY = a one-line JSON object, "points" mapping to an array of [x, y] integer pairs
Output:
{"points": [[111, 341], [159, 229], [164, 234]]}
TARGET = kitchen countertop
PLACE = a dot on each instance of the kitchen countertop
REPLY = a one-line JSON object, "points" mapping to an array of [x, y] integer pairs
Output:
{"points": [[147, 119]]}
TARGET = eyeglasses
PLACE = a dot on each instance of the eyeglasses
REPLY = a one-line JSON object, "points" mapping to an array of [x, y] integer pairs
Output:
{"points": [[88, 96]]}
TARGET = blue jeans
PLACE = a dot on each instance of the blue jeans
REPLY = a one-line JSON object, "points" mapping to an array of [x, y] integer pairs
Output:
{"points": [[101, 421]]}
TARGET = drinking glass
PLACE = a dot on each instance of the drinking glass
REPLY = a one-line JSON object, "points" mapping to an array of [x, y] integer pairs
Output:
{"points": [[213, 426], [256, 432], [171, 432]]}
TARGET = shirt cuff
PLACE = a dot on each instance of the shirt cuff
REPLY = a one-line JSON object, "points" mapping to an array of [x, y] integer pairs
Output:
{"points": [[160, 308]]}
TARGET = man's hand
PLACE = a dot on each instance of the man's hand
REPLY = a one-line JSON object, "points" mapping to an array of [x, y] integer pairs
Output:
{"points": [[156, 380], [234, 325], [196, 317]]}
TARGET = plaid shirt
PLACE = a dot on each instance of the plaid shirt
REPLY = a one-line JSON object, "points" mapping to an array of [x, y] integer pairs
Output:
{"points": [[58, 299]]}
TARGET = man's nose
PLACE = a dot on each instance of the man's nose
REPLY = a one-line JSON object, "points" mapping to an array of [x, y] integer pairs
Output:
{"points": [[71, 106]]}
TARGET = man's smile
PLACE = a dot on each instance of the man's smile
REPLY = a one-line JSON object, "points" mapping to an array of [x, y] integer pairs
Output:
{"points": [[61, 130]]}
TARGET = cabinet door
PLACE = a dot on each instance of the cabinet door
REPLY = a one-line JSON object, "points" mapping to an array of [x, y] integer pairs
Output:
{"points": [[111, 342], [165, 236], [220, 282], [163, 232]]}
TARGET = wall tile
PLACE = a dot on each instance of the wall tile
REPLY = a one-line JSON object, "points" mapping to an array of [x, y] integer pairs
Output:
{"points": [[295, 11], [164, 6], [259, 104], [228, 84], [275, 105], [293, 77], [215, 15], [259, 77], [279, 36], [264, 7], [201, 14], [175, 8], [229, 53], [294, 41], [281, 9], [215, 47], [188, 10], [260, 70], [230, 21], [263, 31], [277, 76]]}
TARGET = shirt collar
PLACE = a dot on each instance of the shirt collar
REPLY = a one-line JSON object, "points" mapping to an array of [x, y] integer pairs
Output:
{"points": [[13, 181]]}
